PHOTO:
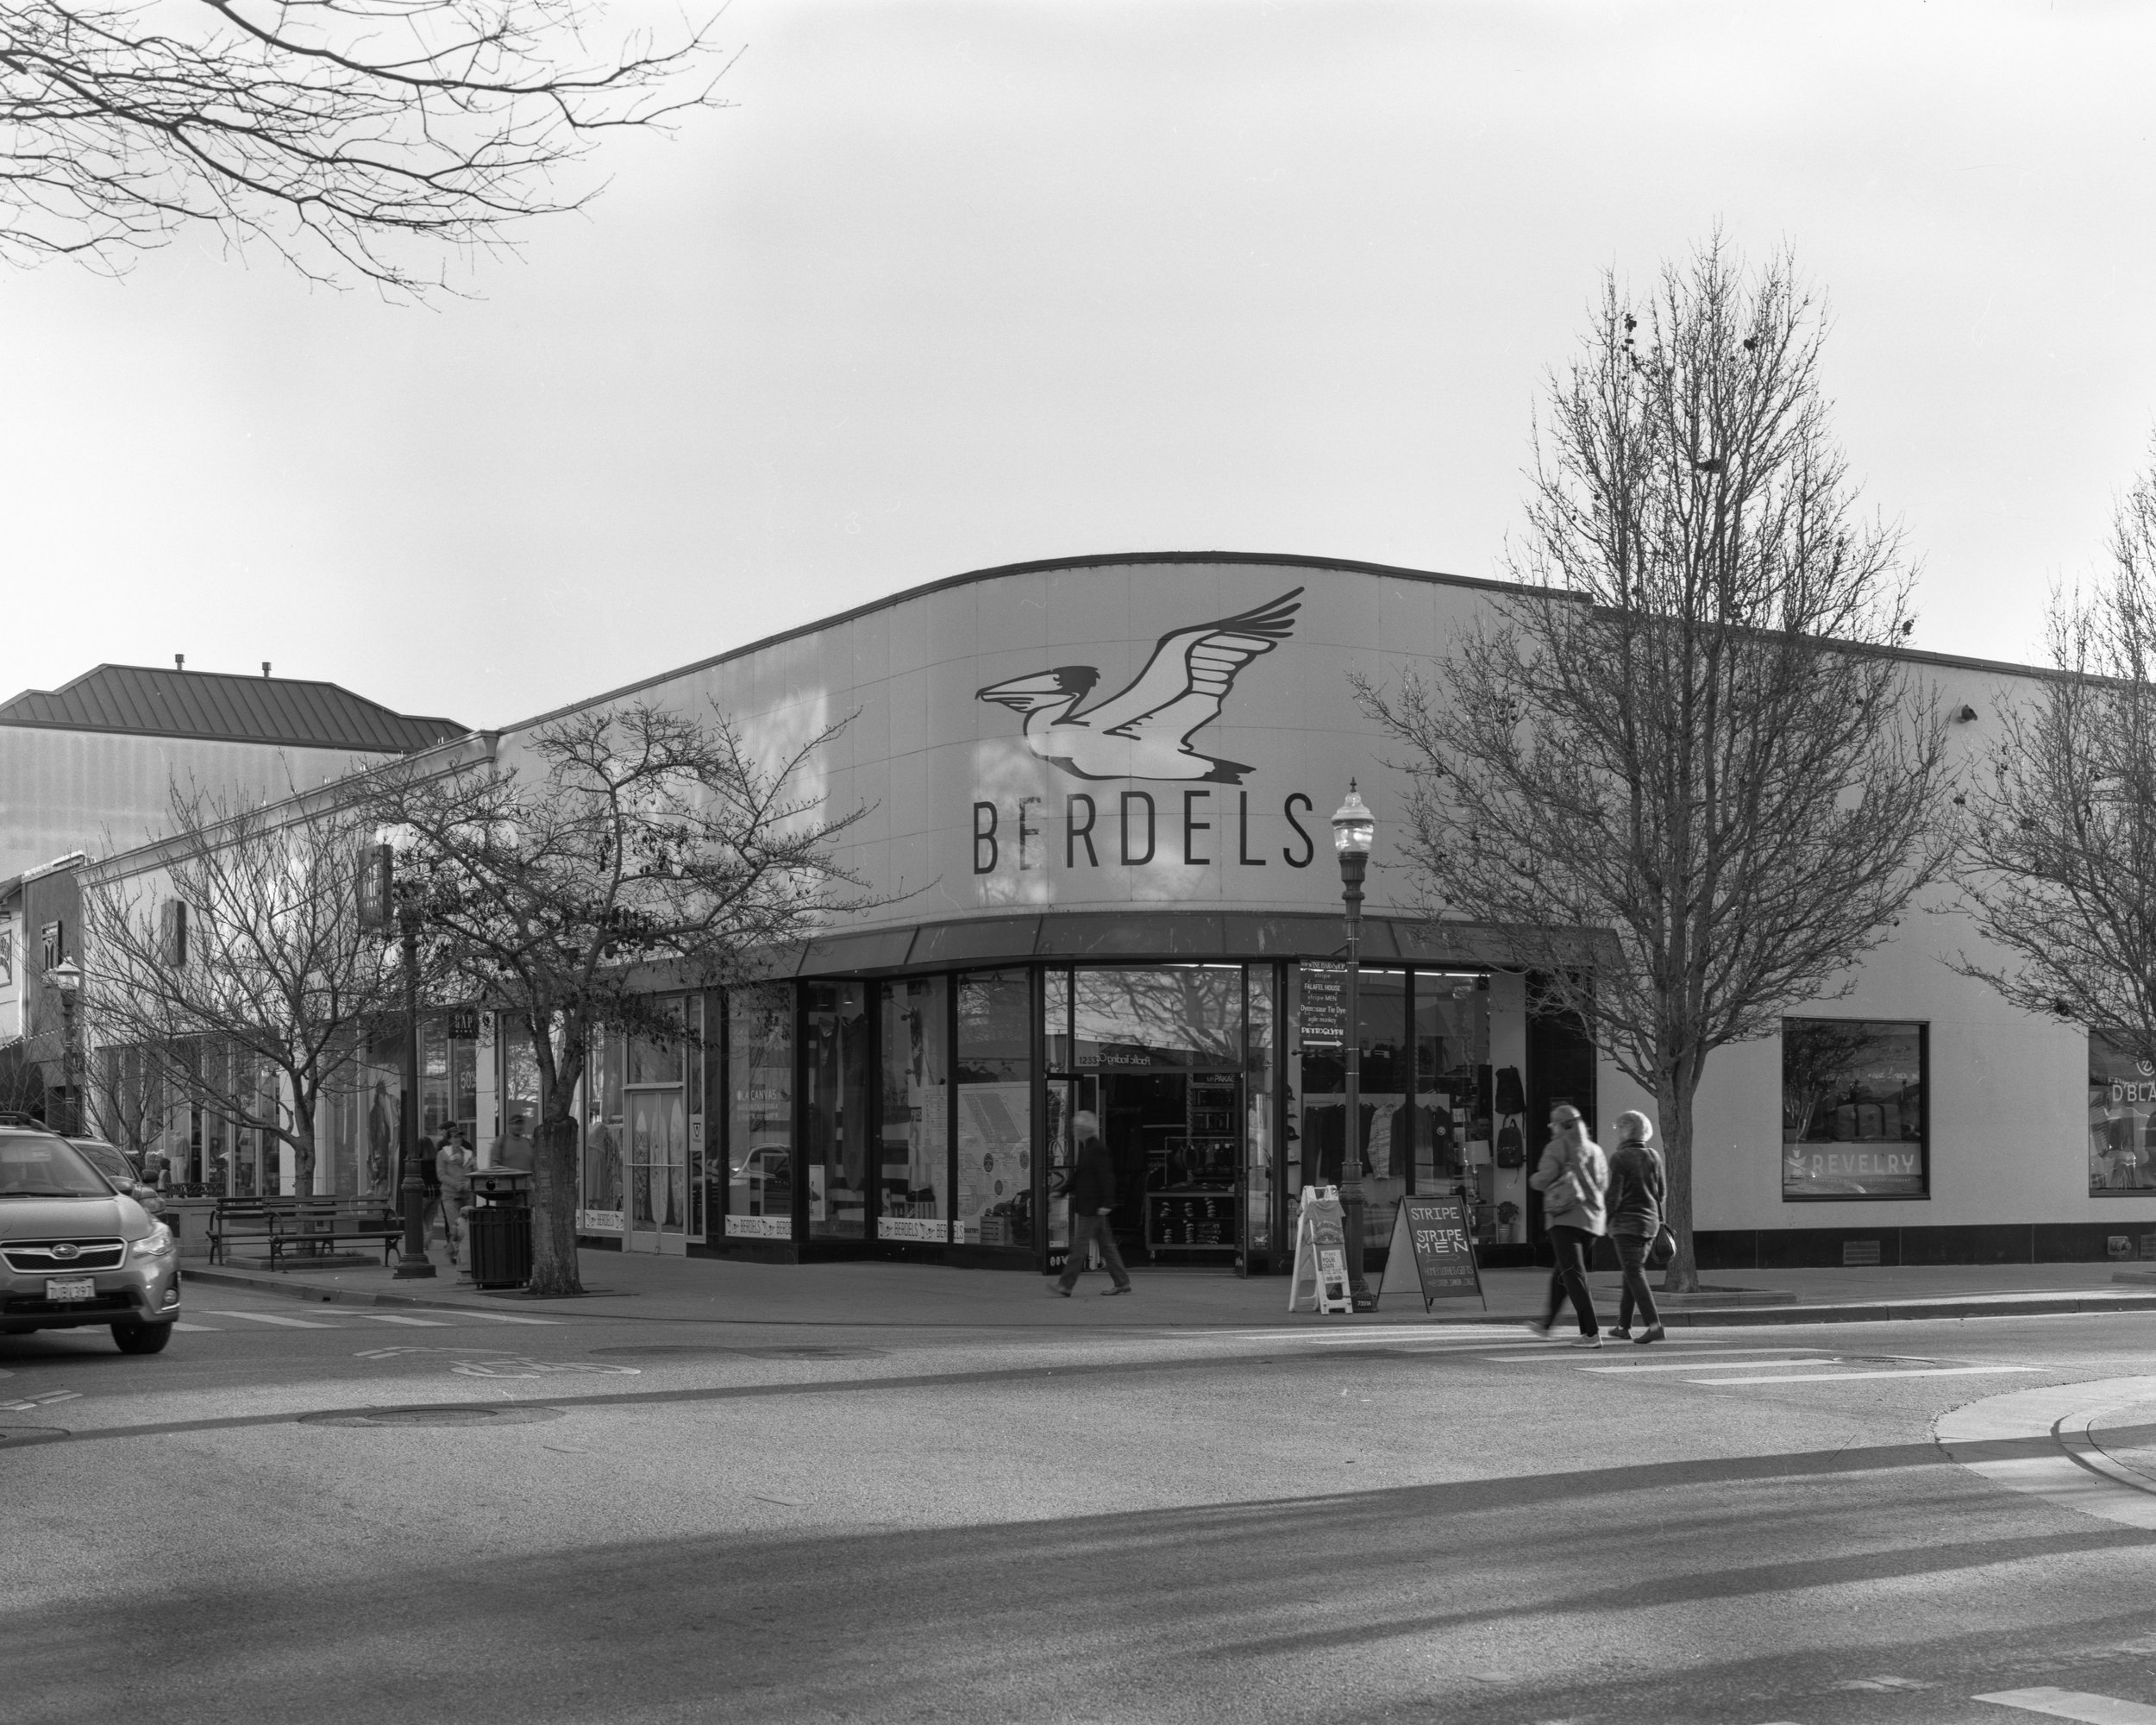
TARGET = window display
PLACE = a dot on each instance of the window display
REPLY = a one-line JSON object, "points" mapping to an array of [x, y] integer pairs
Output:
{"points": [[914, 1168], [603, 1129], [995, 1111], [1853, 1120], [835, 1113], [759, 1111], [2121, 1121]]}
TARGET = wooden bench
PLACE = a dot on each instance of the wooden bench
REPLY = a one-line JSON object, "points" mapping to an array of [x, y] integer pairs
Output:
{"points": [[302, 1227]]}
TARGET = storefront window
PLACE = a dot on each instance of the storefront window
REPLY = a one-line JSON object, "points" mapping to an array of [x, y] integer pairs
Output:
{"points": [[760, 1110], [995, 1198], [1186, 1015], [835, 1114], [1452, 1098], [915, 1167], [2121, 1121], [1384, 1132], [1853, 1120], [603, 1129], [520, 1084], [694, 1051], [1260, 1087]]}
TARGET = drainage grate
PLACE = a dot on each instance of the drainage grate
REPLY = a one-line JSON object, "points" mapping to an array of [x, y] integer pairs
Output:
{"points": [[442, 1414], [1857, 1254]]}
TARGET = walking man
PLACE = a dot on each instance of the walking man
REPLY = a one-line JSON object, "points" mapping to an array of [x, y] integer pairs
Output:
{"points": [[1092, 1196]]}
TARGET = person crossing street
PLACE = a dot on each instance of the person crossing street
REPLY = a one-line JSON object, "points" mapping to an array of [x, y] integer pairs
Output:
{"points": [[1092, 1197]]}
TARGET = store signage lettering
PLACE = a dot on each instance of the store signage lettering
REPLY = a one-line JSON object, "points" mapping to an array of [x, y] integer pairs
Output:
{"points": [[1873, 1163], [1430, 1235], [1323, 1006], [1132, 831], [2125, 1091]]}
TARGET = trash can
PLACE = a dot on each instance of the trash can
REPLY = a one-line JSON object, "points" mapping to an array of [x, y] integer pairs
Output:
{"points": [[500, 1227]]}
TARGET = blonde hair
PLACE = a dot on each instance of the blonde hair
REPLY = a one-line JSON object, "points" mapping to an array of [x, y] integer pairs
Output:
{"points": [[1634, 1127]]}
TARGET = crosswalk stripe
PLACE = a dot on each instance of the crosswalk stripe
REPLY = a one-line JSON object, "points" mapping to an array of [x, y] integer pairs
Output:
{"points": [[2067, 1703], [1691, 1355], [1910, 1372], [265, 1318], [1710, 1365], [198, 1329], [391, 1318], [497, 1317]]}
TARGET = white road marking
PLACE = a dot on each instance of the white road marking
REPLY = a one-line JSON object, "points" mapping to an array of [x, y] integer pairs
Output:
{"points": [[1909, 1371], [1566, 1354], [497, 1317], [265, 1318], [198, 1329], [2064, 1465], [2067, 1703], [391, 1318], [1710, 1365]]}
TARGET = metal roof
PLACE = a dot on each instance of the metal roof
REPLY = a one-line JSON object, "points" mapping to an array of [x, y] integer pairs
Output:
{"points": [[147, 700]]}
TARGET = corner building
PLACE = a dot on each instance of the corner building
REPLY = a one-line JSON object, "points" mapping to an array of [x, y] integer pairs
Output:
{"points": [[1097, 797]]}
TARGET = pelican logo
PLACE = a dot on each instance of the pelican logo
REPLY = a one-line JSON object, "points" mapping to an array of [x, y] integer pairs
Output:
{"points": [[67, 1252], [1144, 731]]}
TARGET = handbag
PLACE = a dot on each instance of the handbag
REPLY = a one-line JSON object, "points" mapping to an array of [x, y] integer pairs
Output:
{"points": [[1662, 1249], [1561, 1195]]}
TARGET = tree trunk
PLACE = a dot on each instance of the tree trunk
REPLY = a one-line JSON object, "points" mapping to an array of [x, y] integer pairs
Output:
{"points": [[1673, 1097], [304, 1157], [554, 1273]]}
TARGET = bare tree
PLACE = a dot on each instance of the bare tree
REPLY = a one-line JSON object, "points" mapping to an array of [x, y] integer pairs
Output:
{"points": [[2058, 860], [351, 136], [1681, 770], [242, 956], [652, 850]]}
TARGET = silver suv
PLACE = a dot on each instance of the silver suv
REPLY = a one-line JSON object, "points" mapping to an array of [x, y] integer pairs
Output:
{"points": [[75, 1252]]}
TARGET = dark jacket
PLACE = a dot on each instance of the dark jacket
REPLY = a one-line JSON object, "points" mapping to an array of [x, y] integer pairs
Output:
{"points": [[1092, 1182], [1636, 1190]]}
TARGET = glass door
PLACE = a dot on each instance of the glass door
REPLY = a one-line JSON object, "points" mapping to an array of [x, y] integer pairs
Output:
{"points": [[655, 1147]]}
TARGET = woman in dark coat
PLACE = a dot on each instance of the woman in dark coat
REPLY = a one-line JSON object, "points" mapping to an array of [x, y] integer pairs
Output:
{"points": [[1637, 1187]]}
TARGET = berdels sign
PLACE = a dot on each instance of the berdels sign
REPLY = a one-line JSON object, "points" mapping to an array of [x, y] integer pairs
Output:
{"points": [[1147, 731]]}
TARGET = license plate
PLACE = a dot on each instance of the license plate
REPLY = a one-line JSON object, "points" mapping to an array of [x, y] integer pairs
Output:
{"points": [[70, 1287]]}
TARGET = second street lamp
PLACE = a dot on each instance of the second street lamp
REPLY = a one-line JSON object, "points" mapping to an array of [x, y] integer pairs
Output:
{"points": [[1354, 831]]}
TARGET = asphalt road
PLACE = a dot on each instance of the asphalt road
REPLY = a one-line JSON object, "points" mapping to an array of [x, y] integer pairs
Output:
{"points": [[628, 1520]]}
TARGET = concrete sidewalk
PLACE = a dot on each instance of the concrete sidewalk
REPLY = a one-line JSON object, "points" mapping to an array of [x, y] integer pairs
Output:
{"points": [[876, 1294]]}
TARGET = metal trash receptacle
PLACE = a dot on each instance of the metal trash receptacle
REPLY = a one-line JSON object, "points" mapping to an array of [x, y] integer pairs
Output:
{"points": [[500, 1227]]}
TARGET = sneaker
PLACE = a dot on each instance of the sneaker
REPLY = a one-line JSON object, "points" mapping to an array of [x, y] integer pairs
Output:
{"points": [[1542, 1330], [1618, 1334], [1651, 1333], [1063, 1290], [1586, 1342], [1107, 1293]]}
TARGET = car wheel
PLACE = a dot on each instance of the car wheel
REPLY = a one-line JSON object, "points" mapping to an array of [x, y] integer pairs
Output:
{"points": [[142, 1338]]}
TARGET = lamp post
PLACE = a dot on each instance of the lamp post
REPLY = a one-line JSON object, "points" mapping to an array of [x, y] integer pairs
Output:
{"points": [[379, 905], [65, 978], [1354, 831]]}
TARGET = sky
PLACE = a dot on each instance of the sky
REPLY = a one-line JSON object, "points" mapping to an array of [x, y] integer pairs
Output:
{"points": [[951, 285]]}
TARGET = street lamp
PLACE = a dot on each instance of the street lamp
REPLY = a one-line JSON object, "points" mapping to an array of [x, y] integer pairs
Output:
{"points": [[65, 978], [380, 903], [1354, 831]]}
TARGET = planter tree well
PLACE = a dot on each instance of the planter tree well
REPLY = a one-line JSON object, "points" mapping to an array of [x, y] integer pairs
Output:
{"points": [[236, 977], [646, 850], [1682, 771], [2057, 858]]}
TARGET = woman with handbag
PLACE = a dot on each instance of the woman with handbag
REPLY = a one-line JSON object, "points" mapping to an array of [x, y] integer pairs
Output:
{"points": [[1571, 1176], [1636, 1189]]}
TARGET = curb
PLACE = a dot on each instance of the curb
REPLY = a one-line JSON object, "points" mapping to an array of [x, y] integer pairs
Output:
{"points": [[1872, 1312]]}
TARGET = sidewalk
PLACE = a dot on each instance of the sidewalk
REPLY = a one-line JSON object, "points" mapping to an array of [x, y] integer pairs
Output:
{"points": [[878, 1294]]}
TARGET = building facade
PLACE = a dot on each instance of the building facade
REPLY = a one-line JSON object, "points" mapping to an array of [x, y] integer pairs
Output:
{"points": [[1095, 800]]}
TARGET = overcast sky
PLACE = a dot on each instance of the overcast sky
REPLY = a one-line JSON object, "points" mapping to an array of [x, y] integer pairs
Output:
{"points": [[953, 285]]}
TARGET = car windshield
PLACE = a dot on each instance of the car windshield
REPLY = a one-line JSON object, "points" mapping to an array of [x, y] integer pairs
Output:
{"points": [[106, 1160], [45, 1167]]}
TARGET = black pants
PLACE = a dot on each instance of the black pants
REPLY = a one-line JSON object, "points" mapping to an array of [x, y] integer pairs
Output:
{"points": [[1632, 1253], [1571, 1246]]}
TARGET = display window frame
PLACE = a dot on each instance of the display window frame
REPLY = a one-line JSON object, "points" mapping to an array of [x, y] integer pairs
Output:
{"points": [[1922, 1142]]}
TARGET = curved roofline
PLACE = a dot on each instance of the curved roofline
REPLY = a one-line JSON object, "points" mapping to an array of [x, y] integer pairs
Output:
{"points": [[1039, 566], [1113, 559]]}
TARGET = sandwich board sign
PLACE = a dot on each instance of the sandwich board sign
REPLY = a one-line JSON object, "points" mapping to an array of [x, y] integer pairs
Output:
{"points": [[1433, 1252], [1320, 1281]]}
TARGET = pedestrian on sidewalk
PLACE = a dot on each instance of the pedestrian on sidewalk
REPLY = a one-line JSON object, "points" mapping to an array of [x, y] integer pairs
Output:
{"points": [[453, 1163], [1637, 1185], [1571, 1178], [1091, 1198]]}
